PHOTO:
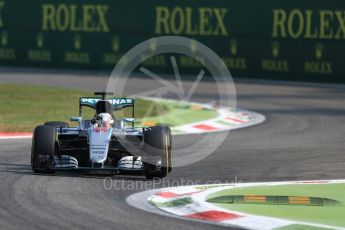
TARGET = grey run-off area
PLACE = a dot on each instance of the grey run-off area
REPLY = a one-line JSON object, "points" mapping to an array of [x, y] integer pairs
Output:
{"points": [[302, 139]]}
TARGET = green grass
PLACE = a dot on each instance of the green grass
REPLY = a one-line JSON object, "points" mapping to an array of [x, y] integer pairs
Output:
{"points": [[23, 107], [328, 215], [301, 227], [181, 114]]}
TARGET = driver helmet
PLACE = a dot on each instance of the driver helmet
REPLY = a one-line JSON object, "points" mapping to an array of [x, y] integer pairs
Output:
{"points": [[105, 120]]}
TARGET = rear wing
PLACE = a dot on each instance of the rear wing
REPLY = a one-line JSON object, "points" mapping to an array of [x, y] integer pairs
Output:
{"points": [[117, 103]]}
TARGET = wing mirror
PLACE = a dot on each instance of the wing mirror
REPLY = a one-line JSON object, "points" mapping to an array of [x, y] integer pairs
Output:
{"points": [[128, 119], [76, 119]]}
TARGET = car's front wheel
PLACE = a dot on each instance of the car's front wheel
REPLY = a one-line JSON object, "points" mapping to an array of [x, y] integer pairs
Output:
{"points": [[43, 149], [158, 152]]}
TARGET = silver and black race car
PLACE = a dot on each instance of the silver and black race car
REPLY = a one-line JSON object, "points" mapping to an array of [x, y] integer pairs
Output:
{"points": [[103, 144]]}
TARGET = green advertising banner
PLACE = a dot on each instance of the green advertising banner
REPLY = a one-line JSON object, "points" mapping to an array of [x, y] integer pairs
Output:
{"points": [[296, 40]]}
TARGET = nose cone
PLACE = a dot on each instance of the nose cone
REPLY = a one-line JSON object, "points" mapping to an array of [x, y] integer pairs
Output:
{"points": [[99, 144]]}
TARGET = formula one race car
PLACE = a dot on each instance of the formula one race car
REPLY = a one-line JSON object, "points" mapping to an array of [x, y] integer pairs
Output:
{"points": [[102, 144]]}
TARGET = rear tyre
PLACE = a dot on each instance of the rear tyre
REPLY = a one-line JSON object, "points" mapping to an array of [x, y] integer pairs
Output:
{"points": [[157, 149], [43, 149], [57, 124]]}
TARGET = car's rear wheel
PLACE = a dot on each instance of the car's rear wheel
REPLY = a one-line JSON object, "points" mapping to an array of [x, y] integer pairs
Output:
{"points": [[57, 124], [43, 149], [158, 152]]}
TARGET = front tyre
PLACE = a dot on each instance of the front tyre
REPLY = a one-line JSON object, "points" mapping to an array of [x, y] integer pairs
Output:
{"points": [[158, 152], [43, 149]]}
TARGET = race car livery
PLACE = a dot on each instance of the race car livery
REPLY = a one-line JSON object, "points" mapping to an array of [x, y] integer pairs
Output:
{"points": [[102, 144]]}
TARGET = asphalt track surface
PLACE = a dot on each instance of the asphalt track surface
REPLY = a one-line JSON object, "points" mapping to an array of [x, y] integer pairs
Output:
{"points": [[303, 138]]}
